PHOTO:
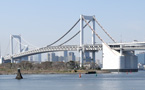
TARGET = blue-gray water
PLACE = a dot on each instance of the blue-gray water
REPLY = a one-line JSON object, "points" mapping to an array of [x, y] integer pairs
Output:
{"points": [[110, 81]]}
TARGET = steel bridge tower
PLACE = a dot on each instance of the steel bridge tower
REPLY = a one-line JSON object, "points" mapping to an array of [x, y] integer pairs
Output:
{"points": [[11, 45], [90, 18]]}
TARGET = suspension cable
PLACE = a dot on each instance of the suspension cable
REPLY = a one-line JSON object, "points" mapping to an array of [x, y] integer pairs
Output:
{"points": [[64, 34], [29, 43], [97, 34], [93, 30], [19, 42], [73, 35], [70, 38], [104, 30]]}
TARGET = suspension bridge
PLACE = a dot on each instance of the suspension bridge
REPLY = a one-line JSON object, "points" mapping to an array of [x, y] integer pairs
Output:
{"points": [[116, 56]]}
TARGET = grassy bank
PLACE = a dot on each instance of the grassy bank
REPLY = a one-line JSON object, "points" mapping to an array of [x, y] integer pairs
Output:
{"points": [[46, 68]]}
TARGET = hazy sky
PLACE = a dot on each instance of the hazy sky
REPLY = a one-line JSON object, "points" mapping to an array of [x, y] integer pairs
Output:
{"points": [[43, 21]]}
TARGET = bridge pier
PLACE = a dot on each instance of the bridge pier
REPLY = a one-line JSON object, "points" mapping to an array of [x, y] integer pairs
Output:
{"points": [[119, 61]]}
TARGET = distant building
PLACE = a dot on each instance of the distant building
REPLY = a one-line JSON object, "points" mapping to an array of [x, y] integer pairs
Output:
{"points": [[71, 56], [52, 57], [37, 58], [141, 58], [65, 53], [48, 57], [87, 57], [56, 58], [65, 56], [24, 58], [30, 58]]}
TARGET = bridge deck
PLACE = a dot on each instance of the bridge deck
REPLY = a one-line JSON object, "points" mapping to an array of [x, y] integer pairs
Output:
{"points": [[96, 47]]}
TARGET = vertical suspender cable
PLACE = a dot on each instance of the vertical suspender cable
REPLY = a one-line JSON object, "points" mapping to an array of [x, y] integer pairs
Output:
{"points": [[29, 43]]}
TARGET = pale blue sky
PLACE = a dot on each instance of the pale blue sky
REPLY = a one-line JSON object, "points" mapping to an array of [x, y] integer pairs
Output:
{"points": [[43, 21]]}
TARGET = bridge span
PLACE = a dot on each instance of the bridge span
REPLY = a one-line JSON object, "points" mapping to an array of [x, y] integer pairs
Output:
{"points": [[97, 47]]}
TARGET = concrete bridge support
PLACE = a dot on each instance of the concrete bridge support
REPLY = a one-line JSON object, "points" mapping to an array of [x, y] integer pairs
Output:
{"points": [[123, 61]]}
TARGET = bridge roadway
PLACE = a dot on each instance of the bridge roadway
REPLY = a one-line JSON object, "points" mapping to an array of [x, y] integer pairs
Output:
{"points": [[56, 49], [96, 47]]}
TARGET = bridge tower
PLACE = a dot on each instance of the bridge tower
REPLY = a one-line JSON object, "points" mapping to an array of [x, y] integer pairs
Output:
{"points": [[11, 44], [90, 18]]}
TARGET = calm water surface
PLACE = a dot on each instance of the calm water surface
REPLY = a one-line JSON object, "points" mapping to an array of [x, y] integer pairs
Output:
{"points": [[111, 81]]}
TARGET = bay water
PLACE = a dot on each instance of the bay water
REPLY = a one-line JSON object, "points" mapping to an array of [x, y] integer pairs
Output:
{"points": [[109, 81]]}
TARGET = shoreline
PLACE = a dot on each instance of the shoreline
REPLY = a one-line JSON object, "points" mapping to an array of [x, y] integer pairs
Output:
{"points": [[24, 72]]}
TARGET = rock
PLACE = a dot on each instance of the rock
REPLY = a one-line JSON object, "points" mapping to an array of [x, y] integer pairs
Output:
{"points": [[19, 76]]}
